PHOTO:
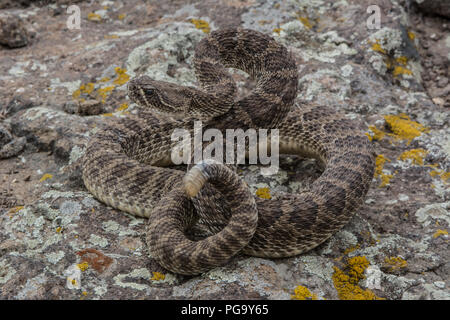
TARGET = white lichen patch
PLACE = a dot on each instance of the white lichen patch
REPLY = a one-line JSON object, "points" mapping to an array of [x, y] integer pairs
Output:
{"points": [[435, 211], [98, 241], [75, 154], [141, 273], [389, 39], [18, 70], [71, 86], [55, 257], [170, 41], [73, 277], [70, 207], [316, 265], [346, 70], [6, 272], [32, 287], [110, 226]]}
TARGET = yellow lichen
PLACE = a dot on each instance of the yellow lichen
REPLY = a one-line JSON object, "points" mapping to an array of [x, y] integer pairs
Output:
{"points": [[59, 229], [398, 70], [103, 92], [14, 210], [346, 283], [440, 232], [94, 17], [444, 175], [377, 133], [376, 46], [263, 193], [109, 114], [201, 24], [302, 293], [45, 177], [122, 16], [395, 263], [403, 60], [263, 22], [87, 88], [158, 276], [123, 106], [305, 22], [111, 36], [403, 127], [416, 155], [105, 79], [351, 249], [277, 30], [379, 164], [122, 77], [411, 35], [83, 266]]}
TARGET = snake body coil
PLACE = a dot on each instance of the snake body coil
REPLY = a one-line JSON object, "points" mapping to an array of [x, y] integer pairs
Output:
{"points": [[123, 164]]}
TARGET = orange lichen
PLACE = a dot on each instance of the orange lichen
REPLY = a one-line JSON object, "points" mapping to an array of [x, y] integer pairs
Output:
{"points": [[263, 193], [395, 263], [158, 276], [302, 293], [415, 155], [45, 177], [201, 24], [346, 283], [379, 164], [440, 232]]}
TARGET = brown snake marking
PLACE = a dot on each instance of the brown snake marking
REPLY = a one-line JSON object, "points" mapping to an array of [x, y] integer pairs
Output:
{"points": [[121, 166]]}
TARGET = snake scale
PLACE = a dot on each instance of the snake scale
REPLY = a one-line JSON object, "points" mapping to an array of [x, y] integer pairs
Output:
{"points": [[125, 164]]}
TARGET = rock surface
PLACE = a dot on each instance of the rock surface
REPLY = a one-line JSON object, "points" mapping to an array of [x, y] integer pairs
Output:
{"points": [[58, 242]]}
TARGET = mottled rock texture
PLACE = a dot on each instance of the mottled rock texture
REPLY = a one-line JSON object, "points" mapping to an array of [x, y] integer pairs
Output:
{"points": [[58, 242]]}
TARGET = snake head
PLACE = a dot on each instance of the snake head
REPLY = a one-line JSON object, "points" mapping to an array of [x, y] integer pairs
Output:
{"points": [[160, 96]]}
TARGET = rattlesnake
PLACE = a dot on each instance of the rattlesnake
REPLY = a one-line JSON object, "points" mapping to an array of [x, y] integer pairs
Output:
{"points": [[123, 165]]}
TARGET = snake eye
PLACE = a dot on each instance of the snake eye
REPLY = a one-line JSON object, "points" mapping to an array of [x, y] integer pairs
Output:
{"points": [[149, 91]]}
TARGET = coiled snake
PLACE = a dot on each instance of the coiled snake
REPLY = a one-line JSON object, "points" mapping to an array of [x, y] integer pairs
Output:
{"points": [[124, 164]]}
